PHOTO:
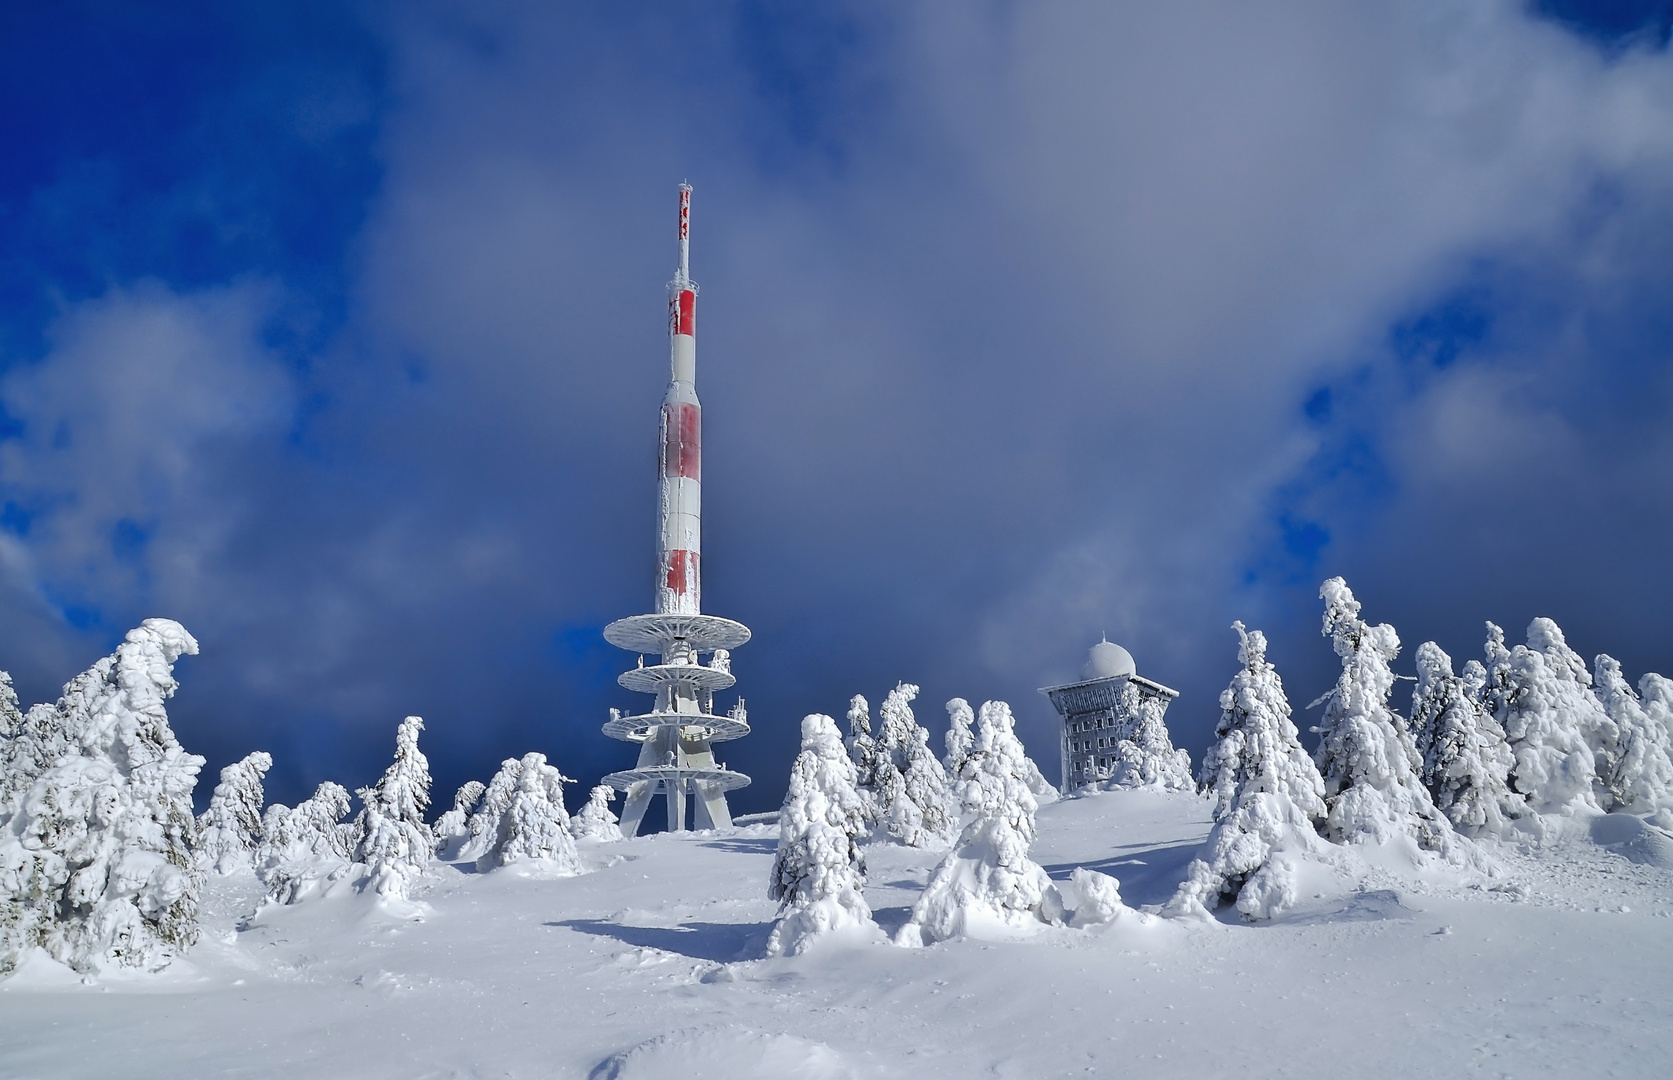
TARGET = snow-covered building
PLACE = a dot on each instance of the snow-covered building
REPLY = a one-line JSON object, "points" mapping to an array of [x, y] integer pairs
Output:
{"points": [[1101, 710]]}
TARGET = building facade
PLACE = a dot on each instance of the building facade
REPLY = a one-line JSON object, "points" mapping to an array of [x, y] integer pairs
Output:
{"points": [[1099, 711]]}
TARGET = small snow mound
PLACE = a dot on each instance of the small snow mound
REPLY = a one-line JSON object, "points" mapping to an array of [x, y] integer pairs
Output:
{"points": [[1098, 898], [729, 1053], [1632, 837]]}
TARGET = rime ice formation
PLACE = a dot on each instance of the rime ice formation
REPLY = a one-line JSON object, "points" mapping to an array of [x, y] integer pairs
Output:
{"points": [[1370, 766], [303, 848], [484, 822], [960, 716], [392, 842], [452, 829], [926, 788], [230, 830], [988, 881], [535, 827], [1640, 780], [1269, 797], [595, 821], [1555, 725], [1146, 756], [96, 828], [905, 789], [1466, 761], [818, 871]]}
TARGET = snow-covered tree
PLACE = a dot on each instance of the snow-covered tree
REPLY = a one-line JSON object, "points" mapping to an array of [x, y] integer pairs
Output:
{"points": [[484, 821], [304, 847], [926, 787], [96, 829], [1642, 777], [819, 871], [1465, 758], [1146, 757], [1370, 766], [901, 785], [960, 717], [453, 827], [534, 826], [1268, 796], [596, 821], [392, 841], [1555, 725], [862, 745], [230, 830], [988, 878], [867, 755], [899, 725]]}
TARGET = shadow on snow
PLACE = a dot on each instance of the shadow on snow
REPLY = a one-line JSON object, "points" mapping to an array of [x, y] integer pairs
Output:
{"points": [[721, 943]]}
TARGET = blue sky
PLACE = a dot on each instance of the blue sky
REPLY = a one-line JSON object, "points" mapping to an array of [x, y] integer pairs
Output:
{"points": [[335, 331]]}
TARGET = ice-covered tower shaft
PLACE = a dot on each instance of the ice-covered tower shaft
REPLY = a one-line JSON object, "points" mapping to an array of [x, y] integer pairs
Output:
{"points": [[679, 587]]}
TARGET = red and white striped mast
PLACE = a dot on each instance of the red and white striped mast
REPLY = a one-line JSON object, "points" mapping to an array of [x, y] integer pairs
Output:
{"points": [[676, 737], [679, 586]]}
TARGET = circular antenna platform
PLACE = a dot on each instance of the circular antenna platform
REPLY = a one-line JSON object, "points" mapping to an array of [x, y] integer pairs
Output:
{"points": [[657, 633]]}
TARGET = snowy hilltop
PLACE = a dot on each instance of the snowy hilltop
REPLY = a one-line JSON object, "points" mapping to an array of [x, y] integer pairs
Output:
{"points": [[902, 913]]}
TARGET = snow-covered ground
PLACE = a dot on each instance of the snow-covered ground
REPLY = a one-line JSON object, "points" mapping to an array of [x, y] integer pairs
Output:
{"points": [[646, 967]]}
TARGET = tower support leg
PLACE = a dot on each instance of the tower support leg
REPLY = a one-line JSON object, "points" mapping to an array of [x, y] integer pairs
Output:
{"points": [[710, 810], [633, 809], [676, 804]]}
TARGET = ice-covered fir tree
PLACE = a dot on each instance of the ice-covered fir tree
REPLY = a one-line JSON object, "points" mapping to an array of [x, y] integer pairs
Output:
{"points": [[1268, 796], [301, 849], [867, 754], [925, 787], [988, 879], [453, 827], [1555, 725], [96, 831], [484, 821], [1147, 757], [960, 717], [392, 841], [818, 871], [230, 829], [596, 821], [898, 724], [535, 826], [1373, 790], [1641, 780], [1465, 758]]}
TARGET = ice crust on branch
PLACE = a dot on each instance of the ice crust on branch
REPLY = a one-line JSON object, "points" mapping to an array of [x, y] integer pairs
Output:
{"points": [[96, 826], [1466, 760], [392, 842], [1269, 797], [988, 881], [1640, 780], [230, 829], [596, 821], [1373, 791], [533, 826], [819, 871]]}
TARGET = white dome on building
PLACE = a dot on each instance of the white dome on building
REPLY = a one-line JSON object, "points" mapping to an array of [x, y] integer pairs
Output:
{"points": [[1107, 659]]}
